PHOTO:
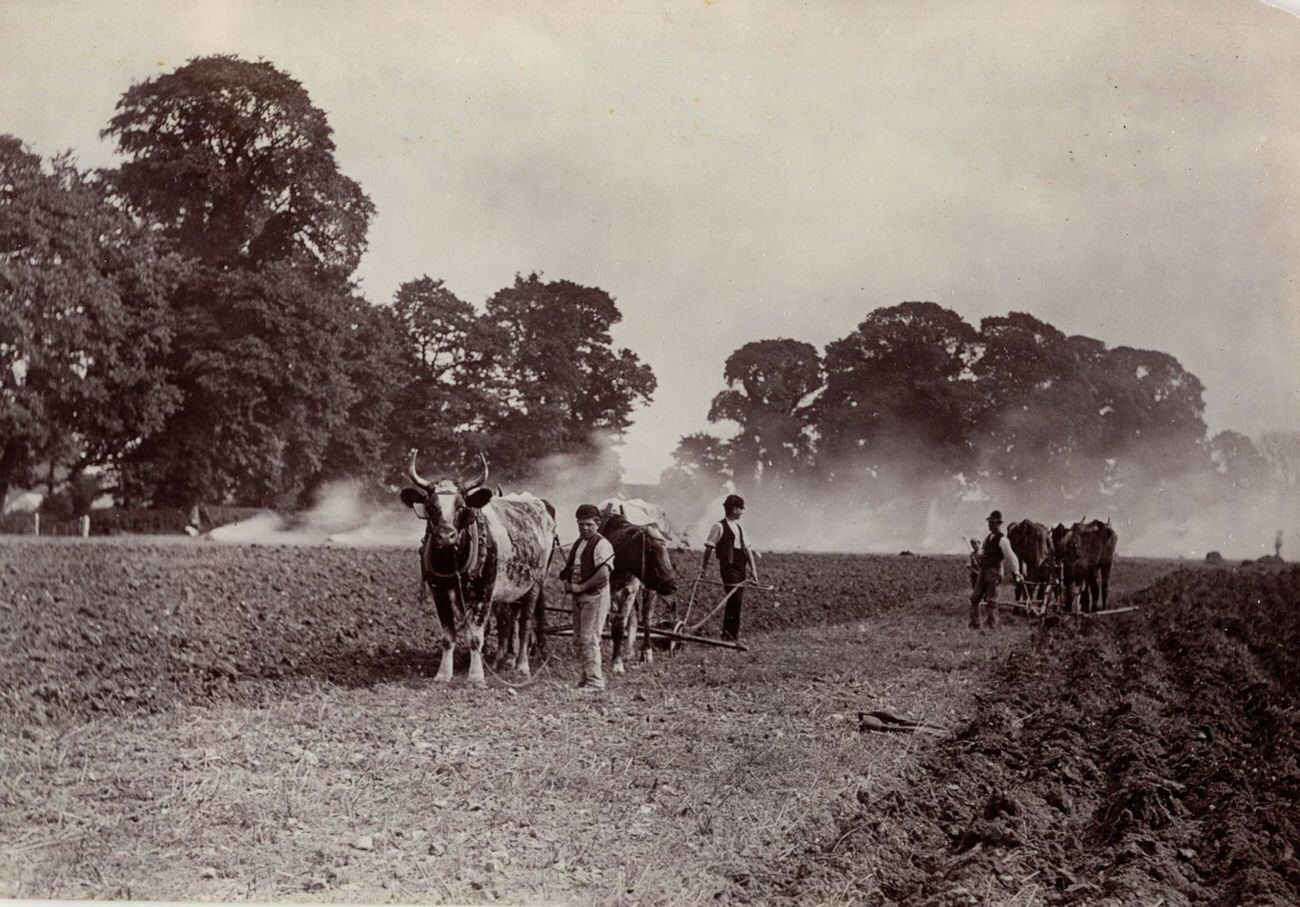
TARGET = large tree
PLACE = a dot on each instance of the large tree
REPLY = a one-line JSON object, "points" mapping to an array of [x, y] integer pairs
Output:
{"points": [[1037, 421], [899, 395], [450, 392], [237, 164], [266, 388], [565, 388], [770, 387], [82, 321], [701, 464]]}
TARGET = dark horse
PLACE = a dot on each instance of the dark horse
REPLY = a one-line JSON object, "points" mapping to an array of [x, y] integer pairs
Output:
{"points": [[642, 569]]}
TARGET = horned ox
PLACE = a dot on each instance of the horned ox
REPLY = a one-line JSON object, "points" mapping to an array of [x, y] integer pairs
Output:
{"points": [[481, 551], [642, 569]]}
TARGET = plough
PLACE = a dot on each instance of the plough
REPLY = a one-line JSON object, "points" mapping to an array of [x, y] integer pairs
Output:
{"points": [[1049, 596], [679, 630]]}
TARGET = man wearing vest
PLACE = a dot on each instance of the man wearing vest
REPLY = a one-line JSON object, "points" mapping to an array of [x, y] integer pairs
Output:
{"points": [[995, 549], [735, 561], [586, 578]]}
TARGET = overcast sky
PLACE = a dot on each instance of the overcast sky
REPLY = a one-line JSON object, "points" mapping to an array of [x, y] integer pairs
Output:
{"points": [[738, 171]]}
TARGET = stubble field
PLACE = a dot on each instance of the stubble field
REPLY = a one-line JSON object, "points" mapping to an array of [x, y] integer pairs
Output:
{"points": [[188, 720]]}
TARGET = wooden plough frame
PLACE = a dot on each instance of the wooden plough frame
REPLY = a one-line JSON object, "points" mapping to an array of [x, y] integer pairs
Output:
{"points": [[681, 631], [1053, 601]]}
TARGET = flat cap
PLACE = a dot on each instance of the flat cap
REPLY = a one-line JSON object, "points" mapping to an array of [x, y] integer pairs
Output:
{"points": [[587, 512]]}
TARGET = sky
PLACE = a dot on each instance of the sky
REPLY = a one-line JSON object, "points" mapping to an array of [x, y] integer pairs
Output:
{"points": [[741, 171]]}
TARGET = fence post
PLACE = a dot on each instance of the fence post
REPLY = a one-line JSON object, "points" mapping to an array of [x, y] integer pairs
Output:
{"points": [[85, 527], [37, 515]]}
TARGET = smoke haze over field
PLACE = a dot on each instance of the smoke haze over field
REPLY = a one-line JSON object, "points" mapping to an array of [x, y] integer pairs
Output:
{"points": [[889, 520], [881, 517], [344, 514]]}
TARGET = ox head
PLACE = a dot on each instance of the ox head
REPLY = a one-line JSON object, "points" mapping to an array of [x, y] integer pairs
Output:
{"points": [[1071, 551], [1059, 533], [446, 504]]}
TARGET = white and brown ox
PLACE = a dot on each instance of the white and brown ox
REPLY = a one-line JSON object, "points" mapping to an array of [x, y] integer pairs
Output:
{"points": [[481, 553]]}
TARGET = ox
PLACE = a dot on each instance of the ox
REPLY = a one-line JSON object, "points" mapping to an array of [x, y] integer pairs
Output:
{"points": [[1032, 544], [481, 552], [1086, 552], [642, 569]]}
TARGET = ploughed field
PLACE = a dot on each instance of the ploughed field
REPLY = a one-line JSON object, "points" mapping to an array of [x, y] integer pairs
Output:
{"points": [[189, 720]]}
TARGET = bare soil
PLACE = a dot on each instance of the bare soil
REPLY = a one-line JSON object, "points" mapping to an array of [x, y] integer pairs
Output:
{"points": [[1150, 758], [204, 722]]}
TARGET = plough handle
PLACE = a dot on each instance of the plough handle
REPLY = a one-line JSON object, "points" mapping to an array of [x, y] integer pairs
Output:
{"points": [[690, 603]]}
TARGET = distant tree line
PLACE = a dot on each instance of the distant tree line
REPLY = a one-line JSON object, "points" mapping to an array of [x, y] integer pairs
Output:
{"points": [[186, 328], [915, 397], [188, 325]]}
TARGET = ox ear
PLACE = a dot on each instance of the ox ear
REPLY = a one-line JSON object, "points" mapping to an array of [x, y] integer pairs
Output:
{"points": [[478, 497], [414, 498]]}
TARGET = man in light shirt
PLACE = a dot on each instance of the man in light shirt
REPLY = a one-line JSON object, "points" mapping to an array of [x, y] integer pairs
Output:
{"points": [[995, 549], [735, 561], [586, 578]]}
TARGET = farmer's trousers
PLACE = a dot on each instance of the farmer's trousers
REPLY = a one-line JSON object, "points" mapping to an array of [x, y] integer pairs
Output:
{"points": [[731, 616], [589, 613], [986, 590]]}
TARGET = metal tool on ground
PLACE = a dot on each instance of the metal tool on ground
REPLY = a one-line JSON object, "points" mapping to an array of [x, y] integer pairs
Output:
{"points": [[881, 720]]}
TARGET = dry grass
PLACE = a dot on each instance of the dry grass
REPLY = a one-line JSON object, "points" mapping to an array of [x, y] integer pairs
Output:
{"points": [[687, 782]]}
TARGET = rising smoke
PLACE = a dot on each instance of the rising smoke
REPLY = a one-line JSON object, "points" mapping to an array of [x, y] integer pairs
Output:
{"points": [[880, 511]]}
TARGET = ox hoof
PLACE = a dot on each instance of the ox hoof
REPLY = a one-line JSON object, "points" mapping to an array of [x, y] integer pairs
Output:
{"points": [[617, 668], [442, 678]]}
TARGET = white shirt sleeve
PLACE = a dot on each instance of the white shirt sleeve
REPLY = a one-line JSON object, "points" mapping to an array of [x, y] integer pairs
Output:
{"points": [[1010, 555], [715, 535], [603, 556]]}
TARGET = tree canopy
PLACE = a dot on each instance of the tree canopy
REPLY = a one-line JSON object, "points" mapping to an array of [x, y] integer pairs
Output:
{"points": [[238, 166], [82, 320], [915, 397]]}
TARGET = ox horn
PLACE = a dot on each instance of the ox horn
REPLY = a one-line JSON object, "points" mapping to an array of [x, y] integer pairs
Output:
{"points": [[482, 479], [415, 476]]}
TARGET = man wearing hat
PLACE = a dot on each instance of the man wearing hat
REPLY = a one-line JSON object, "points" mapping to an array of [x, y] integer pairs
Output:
{"points": [[735, 561], [995, 549], [586, 578]]}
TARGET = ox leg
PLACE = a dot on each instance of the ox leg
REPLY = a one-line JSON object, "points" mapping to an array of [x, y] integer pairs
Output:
{"points": [[623, 623], [647, 607], [447, 619], [618, 632], [630, 621], [523, 611], [1105, 585], [504, 614], [476, 654]]}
